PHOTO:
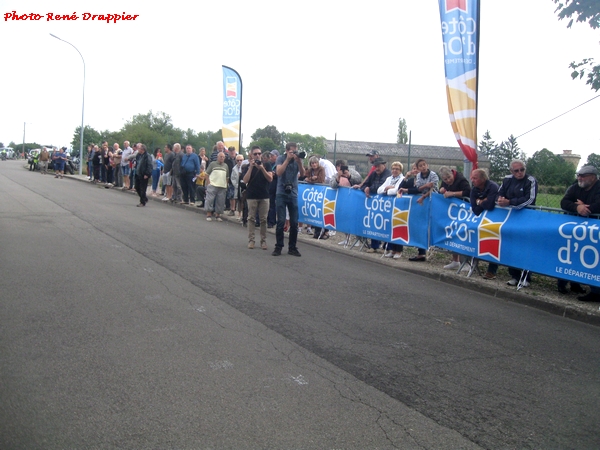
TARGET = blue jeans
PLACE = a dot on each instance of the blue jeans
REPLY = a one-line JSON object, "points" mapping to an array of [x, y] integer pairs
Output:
{"points": [[289, 201], [155, 178]]}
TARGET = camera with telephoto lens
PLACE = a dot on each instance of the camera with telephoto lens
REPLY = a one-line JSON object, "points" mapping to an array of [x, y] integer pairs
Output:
{"points": [[300, 155], [287, 187]]}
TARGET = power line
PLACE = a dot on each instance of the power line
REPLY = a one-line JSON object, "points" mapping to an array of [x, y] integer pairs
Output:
{"points": [[593, 98]]}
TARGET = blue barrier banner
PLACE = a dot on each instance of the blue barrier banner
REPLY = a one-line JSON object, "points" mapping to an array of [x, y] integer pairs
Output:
{"points": [[557, 245], [384, 218]]}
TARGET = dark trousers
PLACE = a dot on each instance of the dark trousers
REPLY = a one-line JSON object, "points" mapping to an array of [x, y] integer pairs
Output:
{"points": [[289, 201], [272, 216], [141, 186], [188, 187]]}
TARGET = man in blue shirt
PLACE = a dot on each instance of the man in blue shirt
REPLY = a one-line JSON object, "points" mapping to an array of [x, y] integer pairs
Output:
{"points": [[287, 170]]}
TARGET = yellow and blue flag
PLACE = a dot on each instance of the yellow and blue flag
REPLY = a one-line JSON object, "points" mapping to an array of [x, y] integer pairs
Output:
{"points": [[460, 33], [232, 107]]}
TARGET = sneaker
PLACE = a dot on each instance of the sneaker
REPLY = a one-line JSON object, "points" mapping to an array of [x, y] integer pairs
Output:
{"points": [[332, 233], [309, 230], [209, 219], [512, 282], [276, 252], [192, 203], [398, 255], [344, 242], [251, 245], [263, 245], [140, 204], [452, 265], [388, 255], [218, 219], [199, 205], [525, 283], [489, 276], [294, 252], [371, 250], [165, 199], [231, 213]]}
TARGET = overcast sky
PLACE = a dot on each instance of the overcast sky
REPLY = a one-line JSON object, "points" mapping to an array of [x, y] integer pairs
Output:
{"points": [[315, 67]]}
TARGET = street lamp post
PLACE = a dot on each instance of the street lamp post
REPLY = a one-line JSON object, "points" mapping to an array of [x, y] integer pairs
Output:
{"points": [[82, 105]]}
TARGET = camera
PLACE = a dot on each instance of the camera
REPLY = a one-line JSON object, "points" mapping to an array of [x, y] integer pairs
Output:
{"points": [[343, 168], [300, 155], [287, 187], [257, 162]]}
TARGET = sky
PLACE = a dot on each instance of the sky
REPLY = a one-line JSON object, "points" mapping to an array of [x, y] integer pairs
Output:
{"points": [[322, 68]]}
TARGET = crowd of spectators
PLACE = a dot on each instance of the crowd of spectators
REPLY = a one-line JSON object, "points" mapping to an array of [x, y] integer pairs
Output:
{"points": [[262, 190]]}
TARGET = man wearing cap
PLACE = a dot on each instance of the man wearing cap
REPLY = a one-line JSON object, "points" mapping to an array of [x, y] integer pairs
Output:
{"points": [[583, 198], [370, 185]]}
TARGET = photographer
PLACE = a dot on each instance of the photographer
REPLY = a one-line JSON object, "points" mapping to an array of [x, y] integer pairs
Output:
{"points": [[257, 176], [287, 170]]}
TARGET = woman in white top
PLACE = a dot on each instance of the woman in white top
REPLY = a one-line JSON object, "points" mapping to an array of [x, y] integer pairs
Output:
{"points": [[390, 187]]}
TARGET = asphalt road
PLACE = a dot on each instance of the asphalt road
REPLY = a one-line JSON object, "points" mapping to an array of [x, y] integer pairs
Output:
{"points": [[125, 327]]}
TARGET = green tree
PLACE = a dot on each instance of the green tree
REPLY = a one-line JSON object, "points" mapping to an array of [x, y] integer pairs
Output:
{"points": [[90, 136], [266, 144], [310, 144], [593, 160], [402, 132], [550, 169], [500, 155], [270, 131], [586, 11]]}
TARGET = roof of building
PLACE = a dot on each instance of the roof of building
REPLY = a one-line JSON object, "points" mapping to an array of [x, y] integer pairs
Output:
{"points": [[425, 151]]}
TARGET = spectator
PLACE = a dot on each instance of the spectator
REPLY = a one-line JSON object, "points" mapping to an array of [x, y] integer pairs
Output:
{"points": [[59, 157], [96, 163], [583, 198], [426, 182], [176, 174], [143, 172], [483, 198], [167, 168], [289, 166], [216, 180], [408, 184], [454, 184], [330, 170], [272, 216], [189, 170], [126, 164], [345, 176], [257, 175], [43, 159], [156, 166], [390, 187], [370, 186], [235, 182], [517, 191], [315, 174], [90, 165], [117, 159]]}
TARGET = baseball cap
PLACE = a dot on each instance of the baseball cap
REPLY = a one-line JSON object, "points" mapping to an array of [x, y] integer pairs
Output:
{"points": [[274, 152], [373, 153]]}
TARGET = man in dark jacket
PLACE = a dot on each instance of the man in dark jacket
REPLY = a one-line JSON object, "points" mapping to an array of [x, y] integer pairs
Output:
{"points": [[583, 198], [483, 198], [370, 186], [518, 190], [143, 171]]}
